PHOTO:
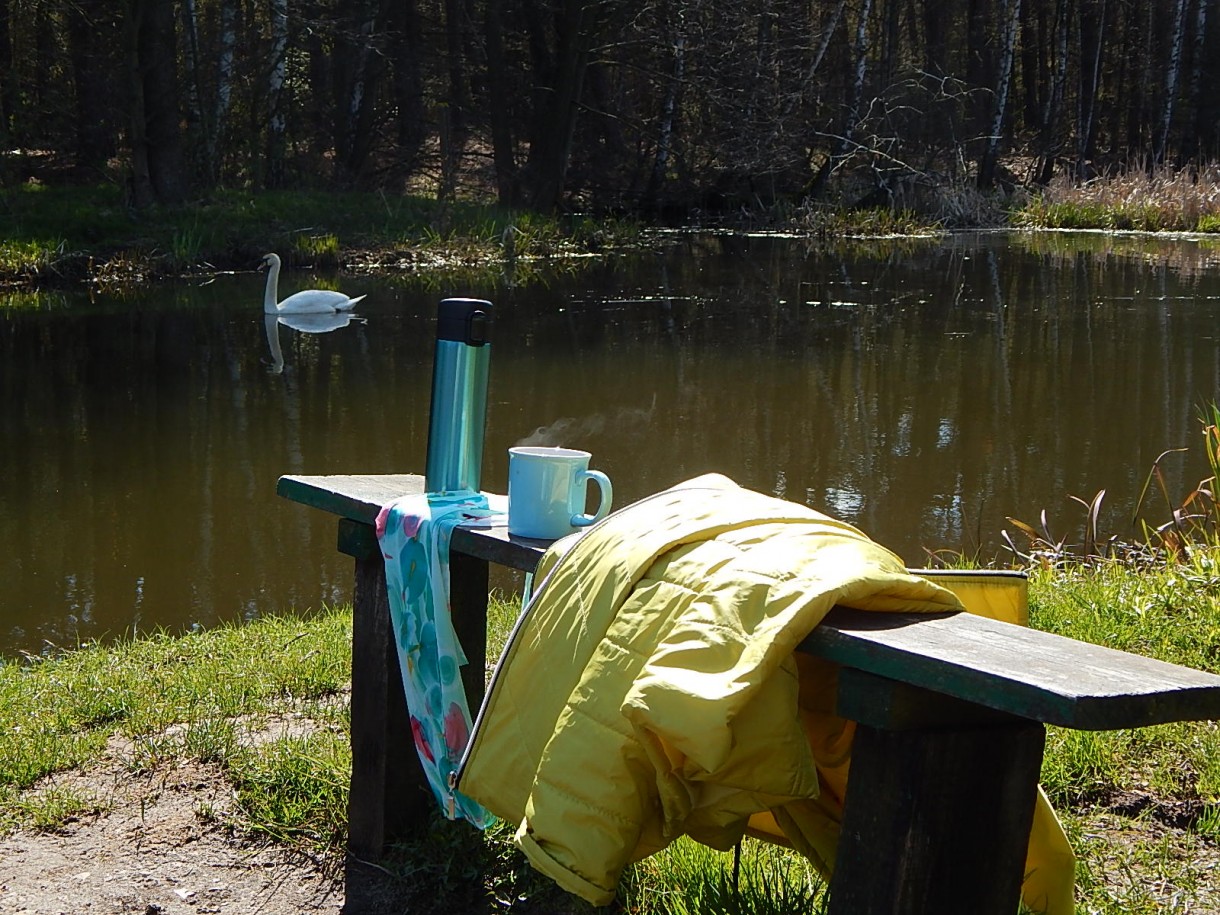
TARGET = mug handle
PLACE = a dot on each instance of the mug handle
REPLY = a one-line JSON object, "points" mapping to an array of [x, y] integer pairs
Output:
{"points": [[607, 494]]}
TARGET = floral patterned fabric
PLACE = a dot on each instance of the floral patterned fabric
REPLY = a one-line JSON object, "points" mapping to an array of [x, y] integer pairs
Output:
{"points": [[414, 534]]}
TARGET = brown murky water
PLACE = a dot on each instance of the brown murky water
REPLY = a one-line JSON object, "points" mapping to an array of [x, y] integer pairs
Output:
{"points": [[923, 391]]}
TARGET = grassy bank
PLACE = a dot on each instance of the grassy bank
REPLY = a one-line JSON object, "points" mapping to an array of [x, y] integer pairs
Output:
{"points": [[1161, 199], [67, 234], [1142, 807], [57, 235]]}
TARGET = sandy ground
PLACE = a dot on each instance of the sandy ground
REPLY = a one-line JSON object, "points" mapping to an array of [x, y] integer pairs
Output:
{"points": [[159, 849], [160, 844]]}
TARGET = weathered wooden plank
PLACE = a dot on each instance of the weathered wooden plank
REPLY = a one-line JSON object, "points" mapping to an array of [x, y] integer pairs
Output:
{"points": [[360, 497], [1024, 672], [389, 795], [355, 496], [936, 820]]}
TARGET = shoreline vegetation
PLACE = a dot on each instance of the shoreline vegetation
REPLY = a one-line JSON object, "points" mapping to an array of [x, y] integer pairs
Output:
{"points": [[265, 704], [55, 235]]}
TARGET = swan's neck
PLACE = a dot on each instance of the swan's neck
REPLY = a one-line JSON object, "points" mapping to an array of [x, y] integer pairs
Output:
{"points": [[271, 295]]}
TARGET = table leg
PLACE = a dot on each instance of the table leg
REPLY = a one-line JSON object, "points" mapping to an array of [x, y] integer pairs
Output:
{"points": [[938, 813], [389, 796], [469, 579]]}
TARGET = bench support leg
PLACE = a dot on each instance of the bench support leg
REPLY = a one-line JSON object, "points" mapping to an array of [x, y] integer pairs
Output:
{"points": [[389, 794], [937, 817], [469, 579]]}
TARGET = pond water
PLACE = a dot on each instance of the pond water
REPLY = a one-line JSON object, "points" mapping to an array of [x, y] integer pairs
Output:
{"points": [[921, 390]]}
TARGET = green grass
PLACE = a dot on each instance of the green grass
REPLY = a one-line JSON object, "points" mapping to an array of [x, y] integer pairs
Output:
{"points": [[164, 699], [1141, 199], [56, 234]]}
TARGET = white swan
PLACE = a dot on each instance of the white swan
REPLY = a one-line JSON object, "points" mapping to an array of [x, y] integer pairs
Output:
{"points": [[305, 302]]}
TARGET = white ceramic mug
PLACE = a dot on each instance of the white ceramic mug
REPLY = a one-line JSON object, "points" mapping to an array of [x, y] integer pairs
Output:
{"points": [[546, 491]]}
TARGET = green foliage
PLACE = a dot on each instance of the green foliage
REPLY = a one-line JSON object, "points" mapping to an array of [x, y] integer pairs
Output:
{"points": [[222, 696], [50, 234], [691, 879], [170, 696], [1140, 199], [867, 223], [295, 789]]}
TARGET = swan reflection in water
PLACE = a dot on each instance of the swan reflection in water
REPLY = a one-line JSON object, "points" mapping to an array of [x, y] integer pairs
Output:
{"points": [[305, 324]]}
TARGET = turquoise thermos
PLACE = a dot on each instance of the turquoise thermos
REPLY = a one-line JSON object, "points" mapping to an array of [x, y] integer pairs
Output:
{"points": [[459, 395]]}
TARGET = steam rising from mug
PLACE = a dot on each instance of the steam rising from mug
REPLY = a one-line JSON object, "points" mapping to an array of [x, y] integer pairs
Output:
{"points": [[624, 420]]}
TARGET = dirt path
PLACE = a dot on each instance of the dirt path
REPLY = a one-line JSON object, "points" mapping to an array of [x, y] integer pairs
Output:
{"points": [[159, 847]]}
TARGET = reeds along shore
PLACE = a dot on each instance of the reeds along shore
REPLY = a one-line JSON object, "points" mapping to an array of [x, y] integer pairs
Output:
{"points": [[57, 235]]}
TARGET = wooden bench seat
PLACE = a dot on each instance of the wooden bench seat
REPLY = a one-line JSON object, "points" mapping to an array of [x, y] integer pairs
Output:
{"points": [[951, 712]]}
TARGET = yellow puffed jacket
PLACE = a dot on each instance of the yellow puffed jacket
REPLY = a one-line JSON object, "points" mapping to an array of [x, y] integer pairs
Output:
{"points": [[651, 689]]}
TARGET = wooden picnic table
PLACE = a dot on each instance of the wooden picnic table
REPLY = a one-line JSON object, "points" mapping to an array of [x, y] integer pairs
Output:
{"points": [[951, 710]]}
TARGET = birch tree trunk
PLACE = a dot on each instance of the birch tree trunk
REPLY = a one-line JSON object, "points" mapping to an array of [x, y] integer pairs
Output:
{"points": [[224, 81], [1008, 43], [852, 114], [454, 110], [504, 158], [1201, 129], [669, 112], [198, 117], [406, 48], [277, 120], [1092, 19], [1172, 72], [1049, 121]]}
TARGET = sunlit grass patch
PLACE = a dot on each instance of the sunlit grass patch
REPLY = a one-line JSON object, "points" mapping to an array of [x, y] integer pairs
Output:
{"points": [[1141, 199], [163, 693], [28, 257], [691, 879], [295, 789]]}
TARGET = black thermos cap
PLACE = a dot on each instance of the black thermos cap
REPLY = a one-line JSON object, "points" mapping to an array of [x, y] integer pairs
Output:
{"points": [[464, 320]]}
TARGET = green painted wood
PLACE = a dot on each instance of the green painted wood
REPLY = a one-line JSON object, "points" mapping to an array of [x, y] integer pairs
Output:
{"points": [[355, 496], [1025, 672], [358, 539], [359, 498]]}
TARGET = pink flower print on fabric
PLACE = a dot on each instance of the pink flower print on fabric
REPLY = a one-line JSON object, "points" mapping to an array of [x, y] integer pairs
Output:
{"points": [[421, 742], [414, 533], [457, 731]]}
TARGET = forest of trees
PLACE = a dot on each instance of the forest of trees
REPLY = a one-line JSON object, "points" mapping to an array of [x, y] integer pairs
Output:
{"points": [[604, 104]]}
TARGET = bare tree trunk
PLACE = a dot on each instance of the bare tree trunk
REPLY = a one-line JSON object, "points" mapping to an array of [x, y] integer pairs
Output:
{"points": [[91, 28], [453, 116], [669, 113], [1196, 81], [8, 77], [795, 98], [406, 48], [854, 95], [158, 165], [198, 116], [555, 121], [503, 154], [935, 16], [987, 166], [1049, 122], [224, 83], [277, 120], [1092, 20], [356, 89], [1172, 71]]}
